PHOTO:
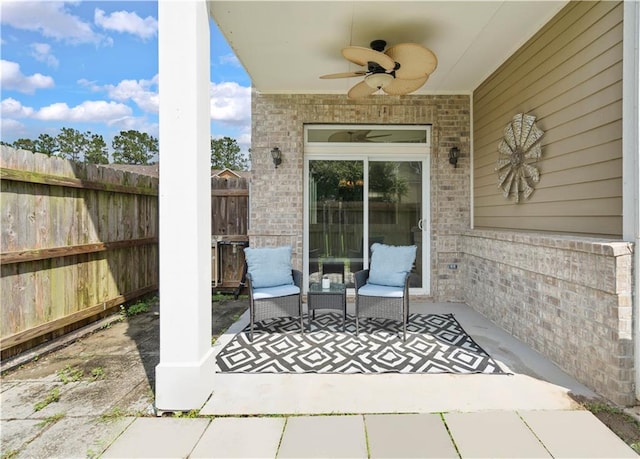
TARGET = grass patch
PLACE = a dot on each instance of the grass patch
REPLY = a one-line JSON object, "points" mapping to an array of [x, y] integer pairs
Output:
{"points": [[97, 373], [218, 297], [12, 453], [139, 307], [52, 396], [115, 413], [188, 414], [70, 374], [51, 419]]}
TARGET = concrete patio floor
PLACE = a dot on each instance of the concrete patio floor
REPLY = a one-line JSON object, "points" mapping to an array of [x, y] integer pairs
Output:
{"points": [[534, 383], [526, 414], [529, 413]]}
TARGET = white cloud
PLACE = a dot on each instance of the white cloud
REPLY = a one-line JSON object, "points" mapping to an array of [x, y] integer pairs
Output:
{"points": [[99, 111], [230, 103], [231, 59], [10, 128], [51, 19], [143, 92], [11, 108], [91, 85], [126, 22], [136, 123], [12, 78], [42, 52]]}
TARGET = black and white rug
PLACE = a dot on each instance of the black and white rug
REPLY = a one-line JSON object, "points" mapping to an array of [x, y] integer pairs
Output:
{"points": [[436, 343]]}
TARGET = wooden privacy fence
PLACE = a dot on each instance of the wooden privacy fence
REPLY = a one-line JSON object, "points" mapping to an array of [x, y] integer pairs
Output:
{"points": [[77, 240], [229, 220]]}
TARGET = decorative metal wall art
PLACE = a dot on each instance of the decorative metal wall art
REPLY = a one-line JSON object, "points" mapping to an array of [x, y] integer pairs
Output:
{"points": [[518, 151]]}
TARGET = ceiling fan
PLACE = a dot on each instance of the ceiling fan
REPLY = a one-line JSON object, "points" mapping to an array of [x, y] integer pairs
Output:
{"points": [[354, 136], [399, 70]]}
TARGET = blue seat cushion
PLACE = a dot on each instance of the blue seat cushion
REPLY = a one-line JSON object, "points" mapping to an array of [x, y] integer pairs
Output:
{"points": [[390, 264], [381, 290], [269, 266], [275, 292]]}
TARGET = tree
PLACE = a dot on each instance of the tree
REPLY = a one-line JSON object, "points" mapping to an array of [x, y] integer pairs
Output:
{"points": [[96, 150], [25, 144], [46, 145], [225, 153], [72, 144], [133, 147], [337, 180], [386, 181]]}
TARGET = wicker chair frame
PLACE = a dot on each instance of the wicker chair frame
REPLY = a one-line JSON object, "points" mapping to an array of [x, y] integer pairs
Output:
{"points": [[282, 306], [381, 307]]}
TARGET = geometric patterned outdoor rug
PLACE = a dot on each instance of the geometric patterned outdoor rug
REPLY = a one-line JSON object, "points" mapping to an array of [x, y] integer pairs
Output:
{"points": [[436, 343]]}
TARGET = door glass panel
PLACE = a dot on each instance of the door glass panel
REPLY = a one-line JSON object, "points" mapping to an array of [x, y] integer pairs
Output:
{"points": [[335, 219], [378, 135], [395, 207]]}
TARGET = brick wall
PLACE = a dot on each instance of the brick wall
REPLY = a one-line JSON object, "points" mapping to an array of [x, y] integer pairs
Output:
{"points": [[276, 209], [567, 297]]}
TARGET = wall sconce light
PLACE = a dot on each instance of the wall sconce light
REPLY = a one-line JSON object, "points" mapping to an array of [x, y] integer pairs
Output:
{"points": [[454, 154], [276, 154]]}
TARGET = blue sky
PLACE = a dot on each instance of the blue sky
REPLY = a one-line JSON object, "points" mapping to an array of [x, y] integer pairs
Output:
{"points": [[93, 66]]}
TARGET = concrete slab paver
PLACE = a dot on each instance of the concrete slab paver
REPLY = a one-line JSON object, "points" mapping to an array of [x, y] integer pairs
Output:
{"points": [[240, 438], [75, 437], [16, 433], [576, 434], [158, 437], [408, 435], [495, 434], [85, 399], [324, 437], [19, 401]]}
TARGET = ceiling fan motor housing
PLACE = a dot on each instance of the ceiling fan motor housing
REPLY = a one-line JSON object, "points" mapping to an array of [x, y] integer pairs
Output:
{"points": [[378, 45]]}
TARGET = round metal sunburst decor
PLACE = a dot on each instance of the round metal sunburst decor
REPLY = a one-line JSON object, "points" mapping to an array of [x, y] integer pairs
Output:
{"points": [[518, 151]]}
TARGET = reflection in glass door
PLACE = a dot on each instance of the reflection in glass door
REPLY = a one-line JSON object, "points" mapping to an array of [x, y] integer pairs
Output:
{"points": [[341, 194], [336, 190], [395, 207]]}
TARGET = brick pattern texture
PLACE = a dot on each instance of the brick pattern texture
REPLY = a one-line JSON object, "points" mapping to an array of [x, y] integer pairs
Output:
{"points": [[276, 209], [568, 297]]}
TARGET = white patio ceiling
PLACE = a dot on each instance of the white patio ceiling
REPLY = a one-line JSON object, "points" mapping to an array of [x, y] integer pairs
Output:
{"points": [[285, 46]]}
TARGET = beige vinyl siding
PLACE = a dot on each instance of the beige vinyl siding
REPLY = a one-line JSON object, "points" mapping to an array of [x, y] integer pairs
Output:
{"points": [[569, 75]]}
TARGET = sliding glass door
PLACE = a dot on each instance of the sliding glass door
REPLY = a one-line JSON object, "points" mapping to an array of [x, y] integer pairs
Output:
{"points": [[357, 195], [395, 207]]}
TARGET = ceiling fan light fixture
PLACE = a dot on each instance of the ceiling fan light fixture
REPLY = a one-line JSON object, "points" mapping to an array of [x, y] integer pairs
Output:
{"points": [[378, 80]]}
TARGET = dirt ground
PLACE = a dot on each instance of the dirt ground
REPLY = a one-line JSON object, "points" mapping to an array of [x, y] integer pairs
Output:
{"points": [[128, 342], [78, 395]]}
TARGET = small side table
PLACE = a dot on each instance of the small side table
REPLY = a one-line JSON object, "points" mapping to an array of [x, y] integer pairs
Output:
{"points": [[334, 297]]}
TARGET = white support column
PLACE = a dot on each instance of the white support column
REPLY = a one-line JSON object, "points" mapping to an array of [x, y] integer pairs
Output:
{"points": [[185, 373], [631, 158]]}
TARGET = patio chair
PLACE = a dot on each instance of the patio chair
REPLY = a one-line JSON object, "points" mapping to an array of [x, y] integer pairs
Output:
{"points": [[382, 291], [274, 287]]}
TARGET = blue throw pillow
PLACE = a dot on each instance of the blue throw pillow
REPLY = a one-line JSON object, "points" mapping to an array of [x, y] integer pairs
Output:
{"points": [[390, 264], [269, 266]]}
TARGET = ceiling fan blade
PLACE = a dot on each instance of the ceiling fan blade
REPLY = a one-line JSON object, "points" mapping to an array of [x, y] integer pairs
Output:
{"points": [[348, 136], [362, 56], [415, 60], [360, 90], [401, 87], [344, 74]]}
